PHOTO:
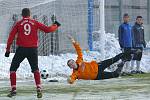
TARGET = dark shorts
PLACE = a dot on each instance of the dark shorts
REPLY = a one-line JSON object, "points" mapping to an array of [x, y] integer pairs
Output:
{"points": [[25, 52], [127, 54], [105, 75], [105, 64], [137, 56]]}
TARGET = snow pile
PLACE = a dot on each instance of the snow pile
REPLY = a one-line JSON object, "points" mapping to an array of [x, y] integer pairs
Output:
{"points": [[111, 45], [148, 44], [56, 65]]}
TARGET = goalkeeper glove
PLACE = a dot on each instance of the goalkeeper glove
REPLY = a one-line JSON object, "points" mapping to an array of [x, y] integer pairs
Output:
{"points": [[7, 54], [57, 23]]}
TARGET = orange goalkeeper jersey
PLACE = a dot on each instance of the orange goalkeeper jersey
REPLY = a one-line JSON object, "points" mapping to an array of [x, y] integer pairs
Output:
{"points": [[86, 70]]}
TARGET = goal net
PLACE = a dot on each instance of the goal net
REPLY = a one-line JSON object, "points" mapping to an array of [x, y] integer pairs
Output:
{"points": [[74, 18], [78, 18]]}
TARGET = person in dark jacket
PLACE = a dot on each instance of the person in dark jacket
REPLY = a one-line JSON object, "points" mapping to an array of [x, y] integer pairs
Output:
{"points": [[138, 43], [125, 39]]}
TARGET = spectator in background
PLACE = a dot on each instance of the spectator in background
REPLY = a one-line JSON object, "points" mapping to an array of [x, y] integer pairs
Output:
{"points": [[125, 40], [138, 43]]}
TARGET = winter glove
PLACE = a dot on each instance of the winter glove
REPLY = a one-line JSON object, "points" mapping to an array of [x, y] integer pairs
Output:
{"points": [[7, 54], [57, 23]]}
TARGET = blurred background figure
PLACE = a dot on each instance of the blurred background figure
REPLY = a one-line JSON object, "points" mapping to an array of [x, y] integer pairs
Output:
{"points": [[125, 40], [138, 43]]}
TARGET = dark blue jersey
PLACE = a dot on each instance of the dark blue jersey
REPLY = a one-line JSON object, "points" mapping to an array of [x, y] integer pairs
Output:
{"points": [[138, 35]]}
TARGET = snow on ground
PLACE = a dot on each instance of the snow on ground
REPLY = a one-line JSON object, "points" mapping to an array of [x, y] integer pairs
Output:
{"points": [[56, 65], [119, 89], [148, 44]]}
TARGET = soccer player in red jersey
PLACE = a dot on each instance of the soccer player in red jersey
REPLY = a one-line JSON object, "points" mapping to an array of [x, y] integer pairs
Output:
{"points": [[27, 40]]}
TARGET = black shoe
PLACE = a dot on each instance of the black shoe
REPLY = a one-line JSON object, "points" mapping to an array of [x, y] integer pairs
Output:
{"points": [[39, 93], [123, 74], [139, 72], [12, 93], [126, 74], [133, 72], [119, 69]]}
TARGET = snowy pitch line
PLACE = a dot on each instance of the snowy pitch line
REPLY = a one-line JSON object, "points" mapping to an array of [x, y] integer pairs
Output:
{"points": [[117, 88]]}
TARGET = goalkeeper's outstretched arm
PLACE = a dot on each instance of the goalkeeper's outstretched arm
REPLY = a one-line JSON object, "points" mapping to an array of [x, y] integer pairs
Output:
{"points": [[77, 48]]}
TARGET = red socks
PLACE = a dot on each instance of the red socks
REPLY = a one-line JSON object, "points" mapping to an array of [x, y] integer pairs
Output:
{"points": [[13, 80], [37, 78]]}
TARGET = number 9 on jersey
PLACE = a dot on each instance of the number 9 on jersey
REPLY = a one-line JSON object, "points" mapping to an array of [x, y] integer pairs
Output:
{"points": [[27, 29]]}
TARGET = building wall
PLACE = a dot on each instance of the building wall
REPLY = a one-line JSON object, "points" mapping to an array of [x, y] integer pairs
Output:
{"points": [[73, 15], [114, 10]]}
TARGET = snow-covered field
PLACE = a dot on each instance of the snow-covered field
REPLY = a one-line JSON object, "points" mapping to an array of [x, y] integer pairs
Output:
{"points": [[111, 89], [56, 65], [87, 90]]}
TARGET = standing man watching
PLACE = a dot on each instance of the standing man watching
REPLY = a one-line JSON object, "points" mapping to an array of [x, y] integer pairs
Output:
{"points": [[125, 40], [138, 43], [27, 40]]}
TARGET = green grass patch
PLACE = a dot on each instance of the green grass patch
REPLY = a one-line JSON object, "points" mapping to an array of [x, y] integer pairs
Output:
{"points": [[146, 75], [134, 83]]}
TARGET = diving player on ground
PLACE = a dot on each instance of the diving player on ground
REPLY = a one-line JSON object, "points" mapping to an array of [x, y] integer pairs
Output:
{"points": [[92, 70]]}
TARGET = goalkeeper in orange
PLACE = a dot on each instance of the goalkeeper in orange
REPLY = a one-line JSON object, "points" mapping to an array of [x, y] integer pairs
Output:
{"points": [[92, 70]]}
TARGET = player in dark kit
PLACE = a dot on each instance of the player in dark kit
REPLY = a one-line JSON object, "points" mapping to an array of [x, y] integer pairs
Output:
{"points": [[27, 40]]}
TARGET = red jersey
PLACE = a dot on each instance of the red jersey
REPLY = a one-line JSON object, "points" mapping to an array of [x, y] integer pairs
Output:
{"points": [[26, 32]]}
